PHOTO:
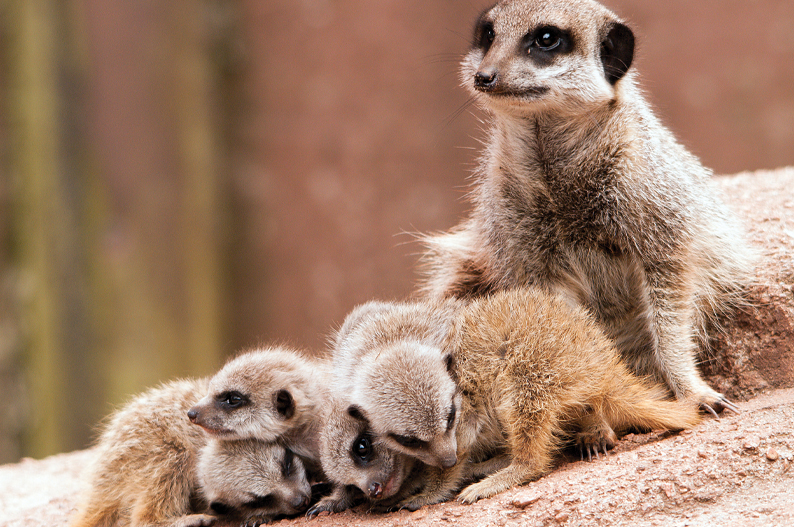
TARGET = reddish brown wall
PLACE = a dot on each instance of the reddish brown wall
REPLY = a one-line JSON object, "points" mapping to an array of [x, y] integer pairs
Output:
{"points": [[353, 135]]}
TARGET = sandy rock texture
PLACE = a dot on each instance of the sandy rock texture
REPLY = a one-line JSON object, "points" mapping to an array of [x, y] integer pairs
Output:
{"points": [[735, 471]]}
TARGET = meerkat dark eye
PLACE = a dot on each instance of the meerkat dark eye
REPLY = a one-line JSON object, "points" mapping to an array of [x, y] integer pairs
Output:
{"points": [[232, 400], [362, 449], [287, 464], [408, 441], [451, 417], [484, 36], [549, 39]]}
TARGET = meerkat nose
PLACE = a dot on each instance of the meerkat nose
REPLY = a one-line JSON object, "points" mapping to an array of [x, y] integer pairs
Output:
{"points": [[449, 461], [375, 490], [300, 501], [485, 79]]}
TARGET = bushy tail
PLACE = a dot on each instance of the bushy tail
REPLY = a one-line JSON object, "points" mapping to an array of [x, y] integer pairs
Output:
{"points": [[642, 403]]}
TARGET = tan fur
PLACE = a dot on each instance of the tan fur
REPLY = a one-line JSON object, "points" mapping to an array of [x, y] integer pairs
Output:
{"points": [[253, 481], [535, 369], [581, 190], [267, 394], [531, 369], [362, 467], [145, 467], [412, 414]]}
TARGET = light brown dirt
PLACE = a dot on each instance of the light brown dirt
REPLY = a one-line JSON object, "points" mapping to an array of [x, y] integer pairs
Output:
{"points": [[735, 471]]}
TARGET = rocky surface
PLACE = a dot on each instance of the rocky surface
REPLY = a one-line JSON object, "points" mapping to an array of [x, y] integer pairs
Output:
{"points": [[735, 471]]}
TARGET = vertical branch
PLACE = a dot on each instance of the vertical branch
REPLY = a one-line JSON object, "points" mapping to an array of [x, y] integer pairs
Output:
{"points": [[202, 210], [39, 214]]}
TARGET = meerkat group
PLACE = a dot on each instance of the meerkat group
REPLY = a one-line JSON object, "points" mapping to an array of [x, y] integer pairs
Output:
{"points": [[569, 307]]}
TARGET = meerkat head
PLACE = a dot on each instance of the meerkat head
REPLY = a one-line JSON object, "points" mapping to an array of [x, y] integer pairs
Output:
{"points": [[352, 455], [252, 478], [260, 394], [530, 56], [409, 396]]}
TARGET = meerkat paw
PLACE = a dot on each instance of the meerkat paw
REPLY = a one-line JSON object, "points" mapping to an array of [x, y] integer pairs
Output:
{"points": [[256, 521], [713, 402], [325, 505], [594, 440], [193, 520], [478, 491]]}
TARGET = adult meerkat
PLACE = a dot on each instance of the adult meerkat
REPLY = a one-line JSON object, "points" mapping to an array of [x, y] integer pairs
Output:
{"points": [[531, 369], [377, 338], [583, 191], [267, 394], [145, 469]]}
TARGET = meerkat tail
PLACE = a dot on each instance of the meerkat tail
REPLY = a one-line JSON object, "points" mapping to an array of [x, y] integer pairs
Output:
{"points": [[636, 402]]}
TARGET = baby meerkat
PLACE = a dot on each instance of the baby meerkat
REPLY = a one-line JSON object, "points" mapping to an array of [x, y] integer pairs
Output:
{"points": [[266, 394], [411, 410], [531, 370], [252, 481], [361, 466], [145, 470], [534, 369], [581, 190]]}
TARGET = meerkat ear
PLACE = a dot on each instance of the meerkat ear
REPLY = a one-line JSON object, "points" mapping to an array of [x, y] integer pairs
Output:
{"points": [[449, 361], [284, 403], [617, 52]]}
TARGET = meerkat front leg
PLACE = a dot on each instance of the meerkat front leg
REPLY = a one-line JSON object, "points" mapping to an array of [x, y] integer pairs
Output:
{"points": [[677, 351], [532, 441], [343, 497]]}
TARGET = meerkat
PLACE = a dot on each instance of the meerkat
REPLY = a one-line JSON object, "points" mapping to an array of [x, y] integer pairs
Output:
{"points": [[267, 394], [370, 344], [252, 481], [534, 369], [145, 469], [581, 190], [363, 468], [531, 370]]}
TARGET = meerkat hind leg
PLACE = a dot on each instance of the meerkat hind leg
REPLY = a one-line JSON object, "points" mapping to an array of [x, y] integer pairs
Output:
{"points": [[594, 435]]}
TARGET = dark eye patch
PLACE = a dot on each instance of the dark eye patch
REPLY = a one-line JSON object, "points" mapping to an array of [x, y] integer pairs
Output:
{"points": [[287, 464], [546, 42], [232, 400], [261, 502], [484, 35], [409, 441], [451, 417], [221, 508], [361, 449]]}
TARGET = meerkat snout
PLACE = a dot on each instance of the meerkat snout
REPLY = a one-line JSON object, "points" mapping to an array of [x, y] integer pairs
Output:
{"points": [[485, 79]]}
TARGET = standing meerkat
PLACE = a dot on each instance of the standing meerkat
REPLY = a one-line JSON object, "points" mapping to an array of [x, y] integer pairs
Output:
{"points": [[415, 417], [531, 370], [145, 469], [581, 190], [267, 394]]}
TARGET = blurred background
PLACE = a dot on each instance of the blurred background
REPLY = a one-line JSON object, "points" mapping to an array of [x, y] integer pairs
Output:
{"points": [[181, 179]]}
